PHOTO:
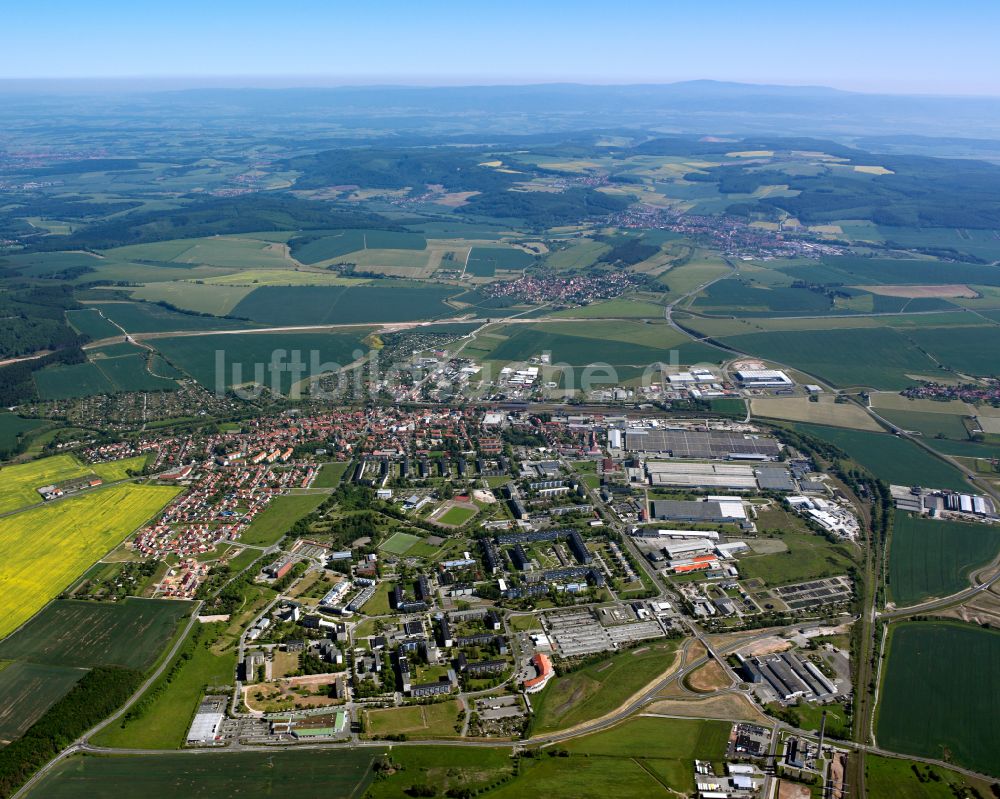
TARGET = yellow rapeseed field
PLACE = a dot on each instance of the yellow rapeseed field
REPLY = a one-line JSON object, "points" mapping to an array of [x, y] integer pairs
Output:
{"points": [[20, 482], [44, 549]]}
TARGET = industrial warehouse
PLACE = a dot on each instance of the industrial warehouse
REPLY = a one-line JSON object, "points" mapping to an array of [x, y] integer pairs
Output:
{"points": [[788, 676], [703, 444], [715, 510], [733, 476]]}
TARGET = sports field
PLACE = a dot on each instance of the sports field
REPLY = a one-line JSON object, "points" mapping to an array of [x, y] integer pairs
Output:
{"points": [[20, 482], [307, 774], [82, 634], [419, 721], [399, 543], [456, 515], [939, 696], [43, 550], [280, 514], [933, 558]]}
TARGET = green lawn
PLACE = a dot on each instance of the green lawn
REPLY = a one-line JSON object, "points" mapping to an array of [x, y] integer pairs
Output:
{"points": [[599, 688], [278, 517], [330, 474], [378, 605]]}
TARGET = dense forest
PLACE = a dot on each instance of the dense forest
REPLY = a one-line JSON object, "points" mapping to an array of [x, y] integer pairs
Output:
{"points": [[34, 319]]}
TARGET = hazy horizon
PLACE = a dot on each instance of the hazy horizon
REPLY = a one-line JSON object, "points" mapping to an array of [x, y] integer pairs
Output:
{"points": [[915, 48]]}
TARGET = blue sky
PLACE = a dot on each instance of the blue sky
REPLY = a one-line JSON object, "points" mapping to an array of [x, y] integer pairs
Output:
{"points": [[941, 47]]}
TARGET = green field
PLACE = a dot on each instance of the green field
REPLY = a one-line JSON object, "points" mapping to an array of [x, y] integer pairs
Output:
{"points": [[27, 690], [147, 317], [933, 558], [162, 716], [129, 373], [313, 248], [952, 671], [330, 474], [82, 634], [599, 688], [43, 550], [930, 425], [485, 261], [342, 774], [378, 605], [91, 323], [399, 543], [338, 305], [577, 255], [595, 778], [278, 517], [970, 350], [619, 308], [77, 380], [893, 459], [456, 517], [876, 357], [733, 296], [616, 343], [248, 357], [20, 482]]}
